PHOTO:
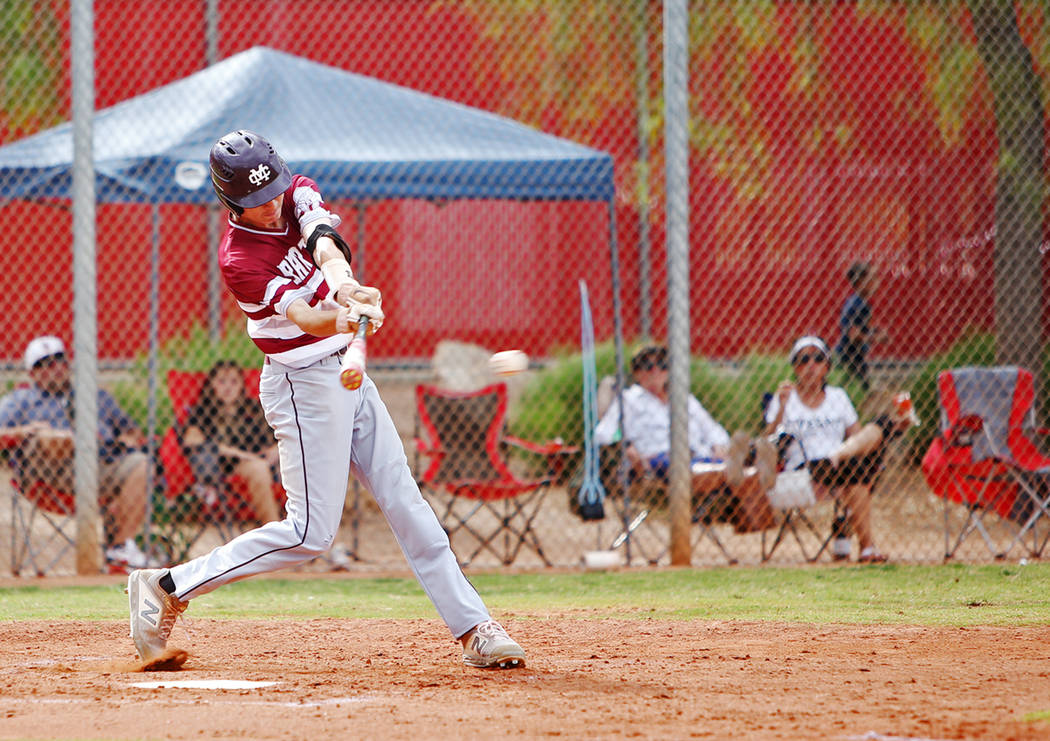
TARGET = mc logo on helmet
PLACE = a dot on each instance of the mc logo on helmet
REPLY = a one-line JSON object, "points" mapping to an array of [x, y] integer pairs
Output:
{"points": [[259, 175]]}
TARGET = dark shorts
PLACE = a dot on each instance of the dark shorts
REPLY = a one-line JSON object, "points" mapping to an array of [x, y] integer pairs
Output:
{"points": [[662, 462], [853, 471]]}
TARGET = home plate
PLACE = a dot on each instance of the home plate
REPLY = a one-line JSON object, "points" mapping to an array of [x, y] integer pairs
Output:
{"points": [[202, 684]]}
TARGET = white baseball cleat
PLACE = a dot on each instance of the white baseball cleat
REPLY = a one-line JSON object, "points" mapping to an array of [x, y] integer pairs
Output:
{"points": [[153, 612], [489, 645]]}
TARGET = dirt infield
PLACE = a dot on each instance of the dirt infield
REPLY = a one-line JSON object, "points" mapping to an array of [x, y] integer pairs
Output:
{"points": [[585, 678]]}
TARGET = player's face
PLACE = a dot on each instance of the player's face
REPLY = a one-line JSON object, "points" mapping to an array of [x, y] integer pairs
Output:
{"points": [[266, 216]]}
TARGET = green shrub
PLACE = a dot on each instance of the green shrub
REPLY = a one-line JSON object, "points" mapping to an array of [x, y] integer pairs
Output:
{"points": [[552, 403]]}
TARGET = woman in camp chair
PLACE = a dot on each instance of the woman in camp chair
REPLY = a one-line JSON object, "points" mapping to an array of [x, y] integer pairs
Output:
{"points": [[717, 459], [842, 454], [226, 433]]}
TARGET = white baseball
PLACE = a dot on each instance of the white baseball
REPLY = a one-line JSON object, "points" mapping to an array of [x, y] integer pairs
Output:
{"points": [[508, 362]]}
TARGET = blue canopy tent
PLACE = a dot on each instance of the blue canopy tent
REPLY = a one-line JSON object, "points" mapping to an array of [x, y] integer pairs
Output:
{"points": [[361, 139]]}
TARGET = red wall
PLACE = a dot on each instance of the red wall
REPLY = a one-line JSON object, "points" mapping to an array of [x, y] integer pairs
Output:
{"points": [[763, 267]]}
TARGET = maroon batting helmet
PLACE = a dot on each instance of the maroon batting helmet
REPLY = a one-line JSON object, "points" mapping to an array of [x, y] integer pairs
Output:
{"points": [[246, 171]]}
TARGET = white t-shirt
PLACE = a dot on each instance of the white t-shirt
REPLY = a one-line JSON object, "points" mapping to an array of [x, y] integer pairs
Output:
{"points": [[647, 423], [821, 429]]}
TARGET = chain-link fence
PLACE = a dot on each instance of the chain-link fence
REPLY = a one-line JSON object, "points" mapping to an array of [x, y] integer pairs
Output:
{"points": [[867, 173]]}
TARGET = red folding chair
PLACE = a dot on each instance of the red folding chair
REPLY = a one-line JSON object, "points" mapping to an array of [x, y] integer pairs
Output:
{"points": [[462, 435], [986, 462], [43, 523], [43, 527], [231, 511]]}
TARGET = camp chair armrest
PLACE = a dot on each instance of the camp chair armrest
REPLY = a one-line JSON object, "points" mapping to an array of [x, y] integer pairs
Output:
{"points": [[963, 431], [425, 448], [554, 451], [551, 447]]}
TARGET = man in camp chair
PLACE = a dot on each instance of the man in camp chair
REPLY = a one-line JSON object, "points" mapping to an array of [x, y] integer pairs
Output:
{"points": [[717, 459], [37, 421]]}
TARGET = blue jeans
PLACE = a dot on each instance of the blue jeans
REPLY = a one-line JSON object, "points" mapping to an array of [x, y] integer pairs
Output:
{"points": [[661, 462]]}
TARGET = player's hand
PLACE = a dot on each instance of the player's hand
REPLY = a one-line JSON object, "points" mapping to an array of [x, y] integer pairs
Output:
{"points": [[349, 317], [784, 392], [353, 292]]}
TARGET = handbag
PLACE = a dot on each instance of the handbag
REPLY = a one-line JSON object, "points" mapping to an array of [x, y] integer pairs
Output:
{"points": [[794, 489]]}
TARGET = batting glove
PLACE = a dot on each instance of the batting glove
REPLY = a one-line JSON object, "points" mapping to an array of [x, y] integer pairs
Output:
{"points": [[351, 291], [347, 319]]}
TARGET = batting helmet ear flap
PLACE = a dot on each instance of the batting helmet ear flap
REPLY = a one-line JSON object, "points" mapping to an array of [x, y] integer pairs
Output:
{"points": [[237, 210]]}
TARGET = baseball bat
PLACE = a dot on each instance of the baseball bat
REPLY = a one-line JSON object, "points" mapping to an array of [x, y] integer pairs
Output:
{"points": [[352, 369]]}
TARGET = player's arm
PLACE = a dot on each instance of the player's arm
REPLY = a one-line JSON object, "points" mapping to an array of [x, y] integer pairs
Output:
{"points": [[322, 322], [332, 255]]}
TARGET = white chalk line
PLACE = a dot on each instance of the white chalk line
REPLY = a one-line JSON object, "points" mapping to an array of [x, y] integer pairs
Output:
{"points": [[874, 736], [215, 700]]}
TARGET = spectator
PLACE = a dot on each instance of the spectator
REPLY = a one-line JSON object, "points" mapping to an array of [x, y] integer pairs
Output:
{"points": [[856, 332], [718, 460], [38, 418], [841, 453], [226, 433]]}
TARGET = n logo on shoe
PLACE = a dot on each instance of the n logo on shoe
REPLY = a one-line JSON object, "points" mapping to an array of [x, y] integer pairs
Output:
{"points": [[149, 614], [477, 643]]}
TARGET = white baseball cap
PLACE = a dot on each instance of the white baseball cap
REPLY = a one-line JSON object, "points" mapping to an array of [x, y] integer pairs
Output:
{"points": [[808, 341], [43, 347]]}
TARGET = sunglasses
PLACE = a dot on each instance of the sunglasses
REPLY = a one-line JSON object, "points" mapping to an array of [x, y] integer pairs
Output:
{"points": [[817, 357], [650, 365], [50, 360]]}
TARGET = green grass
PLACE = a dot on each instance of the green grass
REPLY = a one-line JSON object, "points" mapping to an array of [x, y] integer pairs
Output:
{"points": [[1006, 594]]}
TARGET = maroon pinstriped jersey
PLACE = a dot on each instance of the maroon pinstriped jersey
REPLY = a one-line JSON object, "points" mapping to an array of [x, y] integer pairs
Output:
{"points": [[267, 270]]}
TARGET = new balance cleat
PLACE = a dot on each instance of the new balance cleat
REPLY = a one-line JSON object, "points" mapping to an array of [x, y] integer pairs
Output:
{"points": [[490, 646], [153, 612]]}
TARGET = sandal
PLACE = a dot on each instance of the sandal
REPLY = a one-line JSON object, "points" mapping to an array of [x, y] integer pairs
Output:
{"points": [[872, 557]]}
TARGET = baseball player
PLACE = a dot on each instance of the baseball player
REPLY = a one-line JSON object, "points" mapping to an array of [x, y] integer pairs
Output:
{"points": [[289, 270]]}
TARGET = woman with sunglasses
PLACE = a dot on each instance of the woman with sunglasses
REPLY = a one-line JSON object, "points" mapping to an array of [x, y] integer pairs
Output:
{"points": [[842, 454]]}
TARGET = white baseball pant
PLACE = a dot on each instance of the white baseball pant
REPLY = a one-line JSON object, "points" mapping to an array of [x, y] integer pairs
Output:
{"points": [[322, 429]]}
